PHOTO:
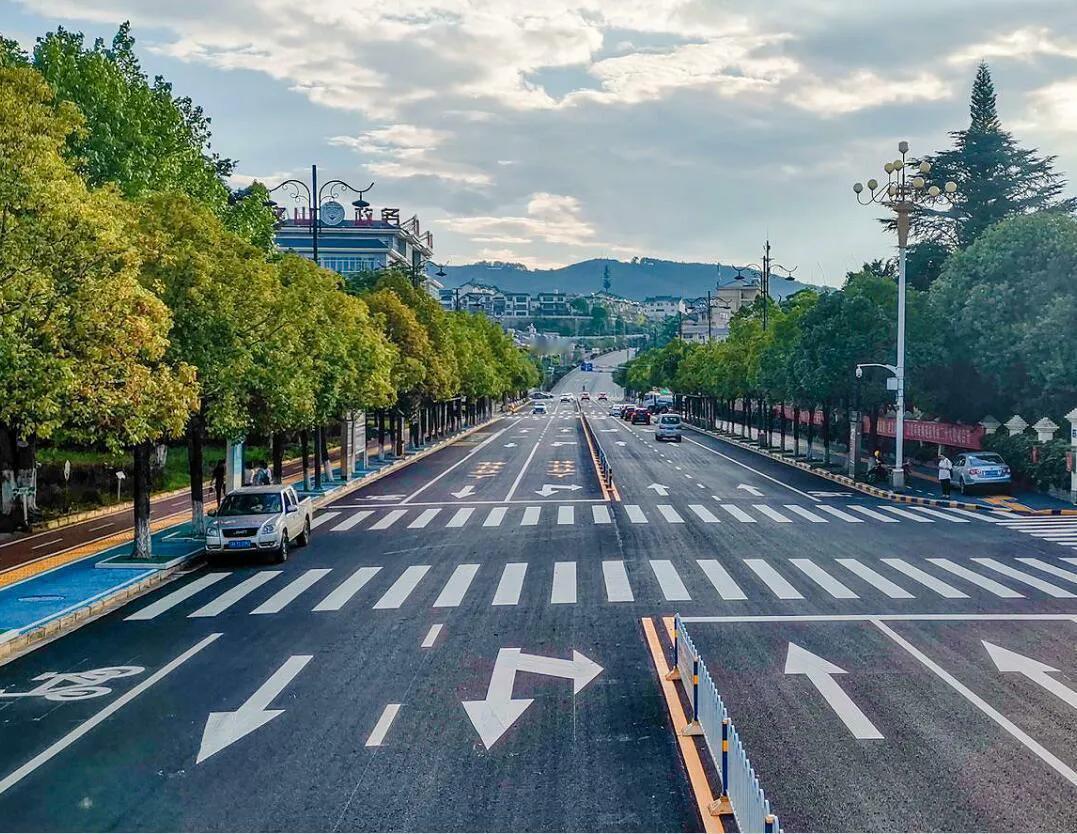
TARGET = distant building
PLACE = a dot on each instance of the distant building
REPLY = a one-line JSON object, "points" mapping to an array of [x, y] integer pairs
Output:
{"points": [[549, 304], [739, 293], [661, 307]]}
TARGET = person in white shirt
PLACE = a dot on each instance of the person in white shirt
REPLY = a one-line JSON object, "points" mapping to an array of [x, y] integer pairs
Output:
{"points": [[946, 469]]}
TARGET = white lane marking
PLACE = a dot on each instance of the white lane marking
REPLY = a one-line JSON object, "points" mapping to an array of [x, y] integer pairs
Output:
{"points": [[1049, 568], [523, 469], [945, 516], [453, 593], [1049, 758], [705, 515], [672, 587], [635, 514], [388, 520], [976, 515], [424, 518], [906, 514], [873, 577], [737, 513], [872, 514], [381, 729], [82, 729], [460, 517], [896, 618], [323, 518], [1025, 578], [773, 580], [941, 588], [844, 516], [750, 469], [432, 635], [566, 515], [616, 577], [824, 580], [46, 544], [808, 514], [719, 577], [495, 517], [234, 595], [289, 592], [670, 514], [511, 584], [351, 521], [531, 516], [155, 609], [400, 590], [464, 459], [339, 596], [563, 590], [773, 514], [100, 527], [989, 585], [601, 514]]}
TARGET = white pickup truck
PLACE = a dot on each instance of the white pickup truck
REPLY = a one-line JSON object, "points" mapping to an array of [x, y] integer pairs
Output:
{"points": [[260, 519]]}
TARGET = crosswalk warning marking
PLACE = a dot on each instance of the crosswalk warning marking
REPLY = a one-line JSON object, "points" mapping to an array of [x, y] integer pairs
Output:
{"points": [[169, 601], [772, 514], [872, 514], [943, 589], [615, 576], [705, 515], [495, 517], [424, 518], [350, 521], [670, 514], [635, 514], [670, 581], [872, 577], [400, 590], [531, 516], [989, 585], [323, 518], [235, 594], [339, 596], [275, 604], [844, 516], [388, 520], [511, 584], [1069, 559], [563, 591], [773, 580], [1046, 567], [601, 514], [803, 513], [453, 592], [1025, 578], [738, 513], [460, 517], [909, 515], [824, 580], [719, 577], [944, 515], [566, 515]]}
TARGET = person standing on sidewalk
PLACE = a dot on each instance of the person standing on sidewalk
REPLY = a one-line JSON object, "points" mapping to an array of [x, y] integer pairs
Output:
{"points": [[218, 481], [946, 469]]}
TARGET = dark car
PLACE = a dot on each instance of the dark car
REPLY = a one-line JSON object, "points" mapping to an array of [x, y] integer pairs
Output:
{"points": [[641, 415], [626, 412]]}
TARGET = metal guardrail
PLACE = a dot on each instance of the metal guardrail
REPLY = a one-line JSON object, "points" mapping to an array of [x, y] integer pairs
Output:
{"points": [[605, 469], [740, 785]]}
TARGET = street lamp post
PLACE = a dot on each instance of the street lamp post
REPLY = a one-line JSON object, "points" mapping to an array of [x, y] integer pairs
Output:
{"points": [[764, 272], [902, 194]]}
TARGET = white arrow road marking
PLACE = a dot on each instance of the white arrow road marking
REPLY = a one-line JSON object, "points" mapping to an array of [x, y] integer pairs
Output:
{"points": [[225, 728], [465, 492], [660, 489], [393, 497], [557, 444], [549, 489], [510, 445], [621, 443], [606, 430], [820, 672], [493, 716], [751, 490], [1039, 673]]}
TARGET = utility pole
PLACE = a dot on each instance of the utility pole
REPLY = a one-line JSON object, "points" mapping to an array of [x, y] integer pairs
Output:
{"points": [[764, 280], [708, 316]]}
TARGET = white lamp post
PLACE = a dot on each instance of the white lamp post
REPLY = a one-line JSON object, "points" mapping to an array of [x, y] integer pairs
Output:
{"points": [[901, 193]]}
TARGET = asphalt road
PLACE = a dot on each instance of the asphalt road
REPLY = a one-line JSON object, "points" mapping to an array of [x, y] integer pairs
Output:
{"points": [[460, 649]]}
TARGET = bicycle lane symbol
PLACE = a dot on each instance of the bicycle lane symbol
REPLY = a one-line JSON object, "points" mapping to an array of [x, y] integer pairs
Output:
{"points": [[75, 686]]}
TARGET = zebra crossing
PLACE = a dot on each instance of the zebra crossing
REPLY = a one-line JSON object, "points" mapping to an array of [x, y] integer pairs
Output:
{"points": [[521, 515], [615, 581], [1059, 529]]}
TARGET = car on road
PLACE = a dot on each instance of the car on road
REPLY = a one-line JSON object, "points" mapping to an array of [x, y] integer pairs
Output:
{"points": [[603, 397], [539, 408], [626, 412], [566, 398], [262, 520], [641, 415], [980, 470], [668, 427], [585, 396], [540, 395], [616, 411]]}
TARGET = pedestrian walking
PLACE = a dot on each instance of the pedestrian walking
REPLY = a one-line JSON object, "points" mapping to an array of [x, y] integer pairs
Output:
{"points": [[218, 481], [261, 475], [946, 470]]}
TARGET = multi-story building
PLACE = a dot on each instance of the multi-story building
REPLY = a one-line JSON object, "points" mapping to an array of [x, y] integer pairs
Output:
{"points": [[547, 304], [660, 307], [738, 293]]}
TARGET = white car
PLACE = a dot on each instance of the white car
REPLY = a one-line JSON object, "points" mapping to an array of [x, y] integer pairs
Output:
{"points": [[539, 408], [585, 396], [668, 427], [603, 397], [566, 398], [260, 519]]}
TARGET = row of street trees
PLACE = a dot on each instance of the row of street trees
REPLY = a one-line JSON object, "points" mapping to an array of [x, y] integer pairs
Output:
{"points": [[141, 299]]}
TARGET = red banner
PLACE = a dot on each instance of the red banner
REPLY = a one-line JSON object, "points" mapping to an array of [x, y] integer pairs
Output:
{"points": [[948, 434]]}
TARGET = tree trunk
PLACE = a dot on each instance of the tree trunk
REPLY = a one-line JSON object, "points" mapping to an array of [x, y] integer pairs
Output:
{"points": [[381, 435], [195, 427], [304, 442], [277, 442], [143, 452], [811, 430], [781, 423], [796, 431], [826, 434], [317, 457]]}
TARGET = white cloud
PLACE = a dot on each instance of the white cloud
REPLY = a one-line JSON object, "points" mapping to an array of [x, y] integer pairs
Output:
{"points": [[550, 218], [1023, 44], [1054, 108], [404, 150], [864, 89]]}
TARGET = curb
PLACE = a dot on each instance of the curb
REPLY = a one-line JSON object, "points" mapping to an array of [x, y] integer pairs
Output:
{"points": [[24, 643], [867, 489]]}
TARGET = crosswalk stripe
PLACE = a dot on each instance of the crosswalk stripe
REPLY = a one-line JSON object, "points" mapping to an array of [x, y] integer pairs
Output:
{"points": [[531, 516], [906, 514], [1049, 568], [388, 520], [1025, 578], [400, 590], [424, 518], [460, 517], [738, 513], [670, 514], [704, 514], [235, 594], [824, 580], [453, 592], [872, 514], [289, 592], [872, 577], [169, 601], [635, 514], [719, 577], [941, 588], [672, 587], [339, 596], [844, 516], [511, 584], [323, 518], [616, 577], [773, 580], [989, 585], [566, 514], [563, 591], [944, 515], [495, 517], [773, 514], [1069, 559], [808, 514], [974, 515], [350, 521], [601, 514]]}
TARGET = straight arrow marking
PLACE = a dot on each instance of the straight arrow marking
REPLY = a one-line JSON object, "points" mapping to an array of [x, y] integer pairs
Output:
{"points": [[1006, 660], [820, 672], [464, 492], [751, 490]]}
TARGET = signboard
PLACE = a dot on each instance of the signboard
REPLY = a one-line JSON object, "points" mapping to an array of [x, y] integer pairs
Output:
{"points": [[948, 434]]}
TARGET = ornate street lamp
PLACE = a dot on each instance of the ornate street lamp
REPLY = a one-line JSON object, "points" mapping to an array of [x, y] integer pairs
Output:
{"points": [[904, 192], [764, 273]]}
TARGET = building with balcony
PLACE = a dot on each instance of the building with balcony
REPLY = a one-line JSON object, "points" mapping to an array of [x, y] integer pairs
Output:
{"points": [[661, 307]]}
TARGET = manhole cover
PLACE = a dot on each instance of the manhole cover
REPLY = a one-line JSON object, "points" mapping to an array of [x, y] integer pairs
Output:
{"points": [[42, 598]]}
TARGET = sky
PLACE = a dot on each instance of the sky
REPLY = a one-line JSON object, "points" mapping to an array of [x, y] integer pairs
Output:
{"points": [[547, 132]]}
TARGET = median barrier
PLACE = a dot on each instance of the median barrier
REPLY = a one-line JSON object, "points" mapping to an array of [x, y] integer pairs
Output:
{"points": [[604, 468]]}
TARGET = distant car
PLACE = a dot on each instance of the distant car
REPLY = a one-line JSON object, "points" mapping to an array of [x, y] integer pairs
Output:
{"points": [[616, 411], [626, 412], [641, 415], [539, 408], [566, 398], [980, 470], [541, 395], [602, 397], [260, 519], [668, 427], [585, 396]]}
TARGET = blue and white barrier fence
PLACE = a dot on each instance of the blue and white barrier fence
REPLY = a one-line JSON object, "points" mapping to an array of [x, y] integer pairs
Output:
{"points": [[603, 463]]}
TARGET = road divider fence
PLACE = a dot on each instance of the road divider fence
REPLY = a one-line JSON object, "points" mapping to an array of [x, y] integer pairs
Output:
{"points": [[605, 471]]}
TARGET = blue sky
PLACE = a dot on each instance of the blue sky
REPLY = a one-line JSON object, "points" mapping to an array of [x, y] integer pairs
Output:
{"points": [[551, 132]]}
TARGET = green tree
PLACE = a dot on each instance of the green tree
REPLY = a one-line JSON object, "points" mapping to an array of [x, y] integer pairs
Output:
{"points": [[606, 282]]}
